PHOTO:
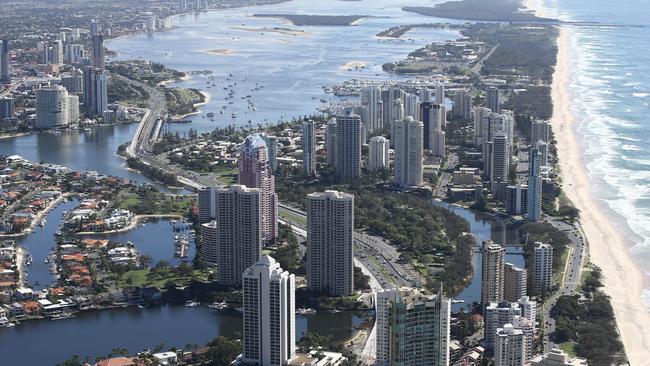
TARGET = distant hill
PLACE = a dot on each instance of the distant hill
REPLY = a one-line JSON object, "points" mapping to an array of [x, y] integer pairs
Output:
{"points": [[480, 10]]}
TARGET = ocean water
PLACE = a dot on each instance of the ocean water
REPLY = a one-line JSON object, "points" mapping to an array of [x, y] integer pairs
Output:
{"points": [[611, 90]]}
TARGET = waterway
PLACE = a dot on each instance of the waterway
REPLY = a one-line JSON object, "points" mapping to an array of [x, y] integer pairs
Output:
{"points": [[484, 227], [48, 342]]}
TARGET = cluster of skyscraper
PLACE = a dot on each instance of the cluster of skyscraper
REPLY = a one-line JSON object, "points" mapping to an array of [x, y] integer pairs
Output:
{"points": [[494, 133], [509, 314], [57, 106]]}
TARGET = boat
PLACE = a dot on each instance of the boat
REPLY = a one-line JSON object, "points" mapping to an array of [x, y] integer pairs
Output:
{"points": [[218, 305], [234, 115], [457, 301], [211, 114], [62, 316], [241, 310], [10, 325], [305, 311], [192, 304]]}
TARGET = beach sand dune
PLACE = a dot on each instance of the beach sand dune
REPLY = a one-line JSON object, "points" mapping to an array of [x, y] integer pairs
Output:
{"points": [[608, 247]]}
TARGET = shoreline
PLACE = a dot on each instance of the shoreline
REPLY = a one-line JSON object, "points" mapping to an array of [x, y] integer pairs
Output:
{"points": [[623, 279], [133, 225]]}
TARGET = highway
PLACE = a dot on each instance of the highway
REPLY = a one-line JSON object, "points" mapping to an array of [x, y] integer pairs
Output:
{"points": [[570, 282]]}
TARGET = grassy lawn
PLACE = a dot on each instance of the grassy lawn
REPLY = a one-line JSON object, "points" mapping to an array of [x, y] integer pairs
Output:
{"points": [[569, 348], [149, 278], [161, 205], [560, 271], [227, 177], [292, 217]]}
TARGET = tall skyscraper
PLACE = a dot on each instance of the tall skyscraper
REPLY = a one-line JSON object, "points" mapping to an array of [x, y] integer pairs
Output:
{"points": [[391, 98], [486, 154], [51, 107], [528, 308], [207, 203], [542, 267], [210, 243], [255, 172], [239, 234], [426, 95], [515, 282], [269, 314], [412, 328], [378, 158], [98, 51], [462, 105], [330, 142], [534, 186], [73, 108], [528, 328], [73, 83], [94, 26], [493, 100], [500, 169], [308, 148], [432, 119], [492, 273], [438, 147], [348, 146], [411, 106], [330, 242], [540, 130], [542, 148], [516, 199], [495, 316], [371, 100], [100, 90], [74, 53], [510, 347], [272, 150], [480, 135], [408, 152], [7, 108], [440, 94], [5, 71]]}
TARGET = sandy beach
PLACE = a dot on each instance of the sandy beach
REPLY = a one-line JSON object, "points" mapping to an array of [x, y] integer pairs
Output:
{"points": [[608, 248]]}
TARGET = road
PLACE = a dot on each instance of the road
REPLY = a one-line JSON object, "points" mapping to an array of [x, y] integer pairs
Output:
{"points": [[576, 259]]}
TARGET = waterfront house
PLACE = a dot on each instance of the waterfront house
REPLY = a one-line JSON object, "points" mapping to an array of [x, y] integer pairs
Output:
{"points": [[166, 358]]}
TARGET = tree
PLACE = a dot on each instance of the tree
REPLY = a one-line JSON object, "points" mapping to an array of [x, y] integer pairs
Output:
{"points": [[223, 350]]}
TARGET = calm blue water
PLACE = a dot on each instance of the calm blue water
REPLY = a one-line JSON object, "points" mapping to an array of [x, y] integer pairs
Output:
{"points": [[611, 90], [291, 68], [40, 342]]}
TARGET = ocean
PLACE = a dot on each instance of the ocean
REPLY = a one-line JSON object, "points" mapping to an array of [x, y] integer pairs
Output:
{"points": [[610, 86]]}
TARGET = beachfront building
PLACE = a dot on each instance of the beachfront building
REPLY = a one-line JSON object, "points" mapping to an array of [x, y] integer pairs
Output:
{"points": [[308, 148], [330, 244], [515, 282], [412, 328], [408, 152], [378, 153], [239, 231], [542, 148], [542, 267], [534, 212], [255, 172], [440, 93], [51, 107], [210, 243], [98, 54], [557, 357], [509, 347], [492, 283], [269, 314], [540, 130]]}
